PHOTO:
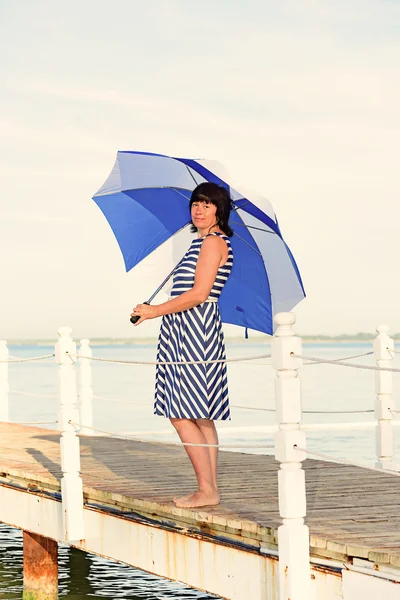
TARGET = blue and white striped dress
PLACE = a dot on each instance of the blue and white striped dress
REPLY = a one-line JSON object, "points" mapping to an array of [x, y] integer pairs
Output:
{"points": [[193, 391]]}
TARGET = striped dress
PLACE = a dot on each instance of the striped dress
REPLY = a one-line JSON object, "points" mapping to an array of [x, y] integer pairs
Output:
{"points": [[193, 391]]}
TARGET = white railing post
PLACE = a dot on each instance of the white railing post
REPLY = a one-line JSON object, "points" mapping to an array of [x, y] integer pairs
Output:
{"points": [[383, 352], [71, 482], [85, 389], [293, 534], [4, 387]]}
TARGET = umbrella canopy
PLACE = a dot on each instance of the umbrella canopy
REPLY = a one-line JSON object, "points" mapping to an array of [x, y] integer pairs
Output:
{"points": [[146, 201]]}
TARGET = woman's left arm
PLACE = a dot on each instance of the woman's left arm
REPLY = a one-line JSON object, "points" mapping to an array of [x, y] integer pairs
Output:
{"points": [[209, 260]]}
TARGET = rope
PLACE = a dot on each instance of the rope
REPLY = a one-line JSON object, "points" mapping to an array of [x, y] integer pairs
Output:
{"points": [[343, 364], [70, 357], [249, 362], [23, 393], [337, 412], [34, 422], [241, 407], [252, 408], [47, 362], [238, 406], [116, 435], [343, 461], [342, 359], [18, 360], [132, 402], [310, 412], [135, 403], [190, 362]]}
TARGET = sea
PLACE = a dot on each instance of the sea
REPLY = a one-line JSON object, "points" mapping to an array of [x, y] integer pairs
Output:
{"points": [[123, 405]]}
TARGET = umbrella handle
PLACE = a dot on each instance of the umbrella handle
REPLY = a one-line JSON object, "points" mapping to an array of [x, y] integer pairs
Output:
{"points": [[136, 318]]}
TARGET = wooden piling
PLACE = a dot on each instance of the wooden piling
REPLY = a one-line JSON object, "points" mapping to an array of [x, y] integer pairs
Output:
{"points": [[40, 567]]}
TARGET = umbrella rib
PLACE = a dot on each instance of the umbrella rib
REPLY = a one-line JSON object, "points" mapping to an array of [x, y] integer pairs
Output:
{"points": [[239, 207], [250, 246], [252, 227], [191, 174], [155, 187], [179, 192]]}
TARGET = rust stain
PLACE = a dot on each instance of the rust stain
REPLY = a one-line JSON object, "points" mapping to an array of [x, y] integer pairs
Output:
{"points": [[326, 571]]}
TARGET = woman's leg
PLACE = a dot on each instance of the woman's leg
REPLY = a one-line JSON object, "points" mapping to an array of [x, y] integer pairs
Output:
{"points": [[209, 431], [207, 493]]}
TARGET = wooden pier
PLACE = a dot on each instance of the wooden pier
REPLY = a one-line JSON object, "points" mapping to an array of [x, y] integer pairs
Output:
{"points": [[114, 497], [353, 513]]}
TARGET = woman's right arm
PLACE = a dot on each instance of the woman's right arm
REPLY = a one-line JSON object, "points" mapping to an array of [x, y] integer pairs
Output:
{"points": [[209, 260]]}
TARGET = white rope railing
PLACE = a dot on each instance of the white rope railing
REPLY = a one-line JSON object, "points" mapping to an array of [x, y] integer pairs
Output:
{"points": [[33, 394], [243, 359], [77, 427], [337, 412], [308, 412], [343, 364], [147, 403], [241, 407], [182, 362], [34, 422], [21, 360], [120, 400], [342, 359], [343, 461]]}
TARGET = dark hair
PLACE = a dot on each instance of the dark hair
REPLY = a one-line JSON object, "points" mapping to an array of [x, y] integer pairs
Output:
{"points": [[217, 195]]}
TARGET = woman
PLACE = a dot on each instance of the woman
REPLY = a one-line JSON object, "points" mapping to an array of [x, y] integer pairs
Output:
{"points": [[193, 396]]}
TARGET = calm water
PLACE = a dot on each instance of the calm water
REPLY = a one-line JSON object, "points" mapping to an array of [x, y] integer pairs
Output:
{"points": [[125, 407]]}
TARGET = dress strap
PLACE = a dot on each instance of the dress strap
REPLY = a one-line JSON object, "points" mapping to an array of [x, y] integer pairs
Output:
{"points": [[223, 235]]}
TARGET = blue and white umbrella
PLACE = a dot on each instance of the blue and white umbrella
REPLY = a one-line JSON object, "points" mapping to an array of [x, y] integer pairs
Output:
{"points": [[146, 202]]}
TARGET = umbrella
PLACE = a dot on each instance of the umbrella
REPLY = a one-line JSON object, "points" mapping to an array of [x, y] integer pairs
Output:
{"points": [[145, 200]]}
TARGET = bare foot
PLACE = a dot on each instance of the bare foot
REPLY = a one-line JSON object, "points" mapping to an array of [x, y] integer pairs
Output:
{"points": [[181, 498], [198, 499]]}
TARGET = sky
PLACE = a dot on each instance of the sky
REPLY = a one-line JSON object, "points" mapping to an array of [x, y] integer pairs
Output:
{"points": [[299, 99]]}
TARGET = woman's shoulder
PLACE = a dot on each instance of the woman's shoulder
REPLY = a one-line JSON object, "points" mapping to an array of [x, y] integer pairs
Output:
{"points": [[222, 237], [215, 241], [215, 238]]}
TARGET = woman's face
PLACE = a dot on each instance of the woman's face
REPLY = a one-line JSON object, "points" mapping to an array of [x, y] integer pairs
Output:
{"points": [[203, 215]]}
